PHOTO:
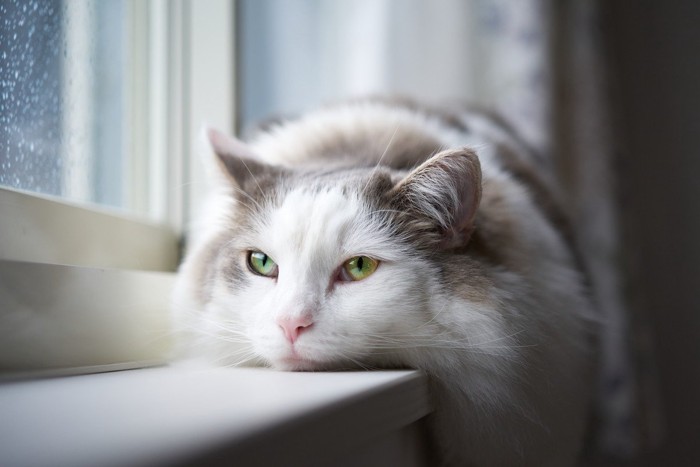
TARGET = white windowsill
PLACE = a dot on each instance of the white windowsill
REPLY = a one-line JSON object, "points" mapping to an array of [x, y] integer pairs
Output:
{"points": [[182, 415]]}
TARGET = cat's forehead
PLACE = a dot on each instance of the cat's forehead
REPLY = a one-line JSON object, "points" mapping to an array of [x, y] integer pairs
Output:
{"points": [[307, 218], [325, 223]]}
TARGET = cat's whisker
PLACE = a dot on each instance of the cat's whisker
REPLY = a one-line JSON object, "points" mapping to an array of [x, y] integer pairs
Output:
{"points": [[500, 338], [252, 176], [226, 337], [233, 357], [431, 320], [239, 362], [222, 326], [218, 324], [379, 162], [358, 363], [218, 337], [242, 192]]}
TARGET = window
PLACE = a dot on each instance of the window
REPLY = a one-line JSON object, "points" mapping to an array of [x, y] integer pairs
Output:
{"points": [[75, 75], [100, 104]]}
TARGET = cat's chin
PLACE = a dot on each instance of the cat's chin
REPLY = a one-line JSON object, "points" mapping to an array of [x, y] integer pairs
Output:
{"points": [[297, 363]]}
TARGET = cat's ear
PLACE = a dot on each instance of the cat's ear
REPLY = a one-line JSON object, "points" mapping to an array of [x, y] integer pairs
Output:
{"points": [[235, 161], [445, 191]]}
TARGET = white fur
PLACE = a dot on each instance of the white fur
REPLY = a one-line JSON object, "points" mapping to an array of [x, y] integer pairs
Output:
{"points": [[310, 236], [510, 371]]}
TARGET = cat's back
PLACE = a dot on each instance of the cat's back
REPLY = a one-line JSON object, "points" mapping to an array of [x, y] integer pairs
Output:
{"points": [[397, 133]]}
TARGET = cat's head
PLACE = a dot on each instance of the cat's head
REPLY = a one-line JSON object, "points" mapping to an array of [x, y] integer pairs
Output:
{"points": [[330, 267]]}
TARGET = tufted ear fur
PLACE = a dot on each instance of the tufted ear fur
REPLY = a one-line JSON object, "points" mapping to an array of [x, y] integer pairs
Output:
{"points": [[443, 194], [237, 162]]}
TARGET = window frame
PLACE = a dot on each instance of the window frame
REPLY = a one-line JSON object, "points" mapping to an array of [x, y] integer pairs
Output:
{"points": [[96, 253]]}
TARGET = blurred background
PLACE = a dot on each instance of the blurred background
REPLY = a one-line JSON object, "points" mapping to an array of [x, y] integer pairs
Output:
{"points": [[101, 101], [656, 97]]}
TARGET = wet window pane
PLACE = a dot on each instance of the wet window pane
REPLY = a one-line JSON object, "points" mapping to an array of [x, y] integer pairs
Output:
{"points": [[62, 98]]}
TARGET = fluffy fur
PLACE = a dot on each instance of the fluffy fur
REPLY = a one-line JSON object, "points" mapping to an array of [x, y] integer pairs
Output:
{"points": [[477, 284]]}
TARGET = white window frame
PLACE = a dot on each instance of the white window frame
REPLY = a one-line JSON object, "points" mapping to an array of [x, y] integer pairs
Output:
{"points": [[74, 277]]}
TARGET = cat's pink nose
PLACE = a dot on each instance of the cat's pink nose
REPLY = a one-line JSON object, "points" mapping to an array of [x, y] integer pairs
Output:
{"points": [[293, 326]]}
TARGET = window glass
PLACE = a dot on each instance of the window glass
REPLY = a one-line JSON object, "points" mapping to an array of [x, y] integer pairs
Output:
{"points": [[66, 81], [30, 95]]}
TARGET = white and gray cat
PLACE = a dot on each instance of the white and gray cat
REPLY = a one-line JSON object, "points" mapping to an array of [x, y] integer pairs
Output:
{"points": [[383, 234]]}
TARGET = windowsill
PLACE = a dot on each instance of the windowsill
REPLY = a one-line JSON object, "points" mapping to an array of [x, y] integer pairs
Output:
{"points": [[191, 415]]}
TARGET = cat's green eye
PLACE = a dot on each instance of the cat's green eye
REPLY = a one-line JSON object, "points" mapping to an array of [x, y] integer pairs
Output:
{"points": [[261, 264], [359, 267]]}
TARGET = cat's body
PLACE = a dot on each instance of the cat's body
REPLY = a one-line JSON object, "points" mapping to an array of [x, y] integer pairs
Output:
{"points": [[476, 283]]}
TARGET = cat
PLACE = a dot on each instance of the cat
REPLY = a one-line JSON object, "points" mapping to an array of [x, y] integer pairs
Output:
{"points": [[380, 233]]}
